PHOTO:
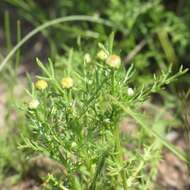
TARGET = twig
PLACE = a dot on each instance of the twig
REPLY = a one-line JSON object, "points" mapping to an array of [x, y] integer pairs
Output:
{"points": [[135, 51]]}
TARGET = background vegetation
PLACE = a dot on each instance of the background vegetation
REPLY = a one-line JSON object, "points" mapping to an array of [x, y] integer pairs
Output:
{"points": [[153, 40]]}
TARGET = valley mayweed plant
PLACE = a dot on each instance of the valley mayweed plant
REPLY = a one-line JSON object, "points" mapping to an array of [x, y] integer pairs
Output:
{"points": [[74, 118]]}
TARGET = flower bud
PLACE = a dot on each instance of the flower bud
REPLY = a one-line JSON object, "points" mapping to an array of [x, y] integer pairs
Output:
{"points": [[130, 92], [33, 104], [67, 82], [114, 61], [102, 55], [87, 58]]}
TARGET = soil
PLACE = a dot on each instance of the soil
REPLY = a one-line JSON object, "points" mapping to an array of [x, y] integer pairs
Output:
{"points": [[173, 174]]}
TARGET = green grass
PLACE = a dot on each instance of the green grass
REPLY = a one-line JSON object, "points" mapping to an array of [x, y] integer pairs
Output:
{"points": [[79, 127]]}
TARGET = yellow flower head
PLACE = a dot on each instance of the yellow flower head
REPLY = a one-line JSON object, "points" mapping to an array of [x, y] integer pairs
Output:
{"points": [[41, 84], [33, 104], [67, 82], [87, 58], [114, 61], [102, 55]]}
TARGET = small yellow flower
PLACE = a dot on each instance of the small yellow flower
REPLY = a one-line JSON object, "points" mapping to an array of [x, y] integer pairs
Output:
{"points": [[33, 104], [67, 82], [114, 61], [102, 55], [41, 84], [87, 58]]}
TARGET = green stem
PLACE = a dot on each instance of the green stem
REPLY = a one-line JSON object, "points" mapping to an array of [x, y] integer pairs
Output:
{"points": [[99, 168], [117, 139], [69, 96], [120, 155], [7, 31], [18, 40], [113, 81]]}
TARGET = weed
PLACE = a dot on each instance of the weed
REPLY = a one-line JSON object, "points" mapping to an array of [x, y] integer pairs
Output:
{"points": [[76, 122]]}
